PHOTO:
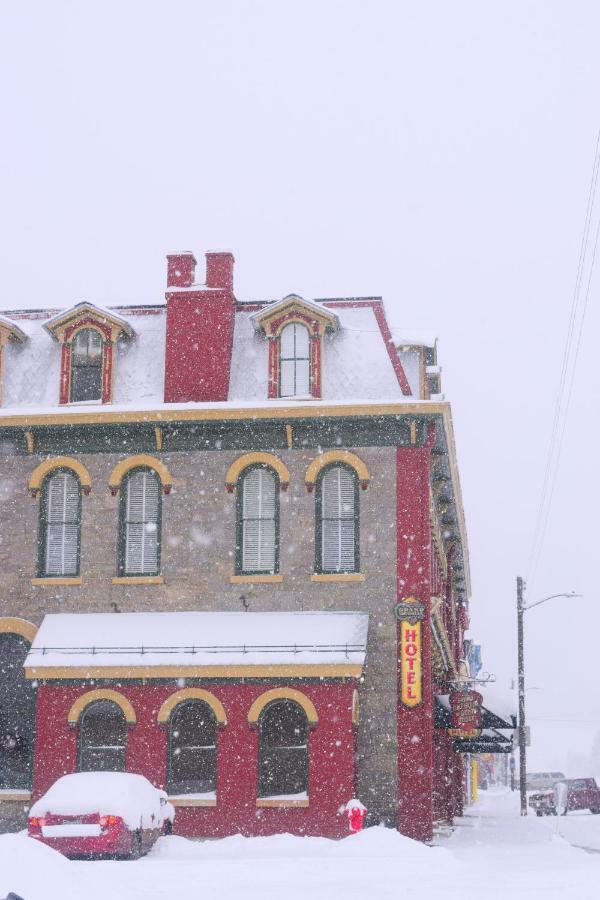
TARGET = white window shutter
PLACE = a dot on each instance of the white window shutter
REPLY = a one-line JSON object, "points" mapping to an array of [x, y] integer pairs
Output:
{"points": [[259, 496], [338, 520], [141, 526], [62, 525]]}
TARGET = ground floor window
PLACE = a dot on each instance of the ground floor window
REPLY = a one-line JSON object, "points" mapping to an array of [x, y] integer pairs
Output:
{"points": [[17, 714], [192, 767], [283, 750], [102, 738]]}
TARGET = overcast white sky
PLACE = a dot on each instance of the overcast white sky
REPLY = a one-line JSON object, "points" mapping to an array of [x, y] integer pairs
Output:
{"points": [[436, 153]]}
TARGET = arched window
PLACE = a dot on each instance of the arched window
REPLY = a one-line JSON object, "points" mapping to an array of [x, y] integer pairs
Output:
{"points": [[257, 540], [192, 765], [17, 714], [102, 738], [60, 525], [294, 361], [86, 365], [337, 520], [139, 523], [282, 750]]}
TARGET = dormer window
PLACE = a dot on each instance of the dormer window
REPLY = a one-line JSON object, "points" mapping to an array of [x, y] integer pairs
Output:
{"points": [[86, 366], [87, 335], [294, 361], [295, 330]]}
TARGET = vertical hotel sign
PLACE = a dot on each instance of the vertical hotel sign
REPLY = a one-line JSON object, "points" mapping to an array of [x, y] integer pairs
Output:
{"points": [[410, 614]]}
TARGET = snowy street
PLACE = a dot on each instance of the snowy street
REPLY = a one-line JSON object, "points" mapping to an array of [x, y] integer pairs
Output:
{"points": [[491, 854]]}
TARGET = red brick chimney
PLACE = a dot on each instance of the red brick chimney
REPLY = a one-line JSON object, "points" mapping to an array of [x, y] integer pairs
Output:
{"points": [[200, 322], [181, 269], [219, 269]]}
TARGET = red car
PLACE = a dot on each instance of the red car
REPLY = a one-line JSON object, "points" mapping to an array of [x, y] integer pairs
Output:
{"points": [[95, 814], [569, 794]]}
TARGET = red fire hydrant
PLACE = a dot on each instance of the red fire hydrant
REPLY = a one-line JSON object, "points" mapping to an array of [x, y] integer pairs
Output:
{"points": [[356, 813]]}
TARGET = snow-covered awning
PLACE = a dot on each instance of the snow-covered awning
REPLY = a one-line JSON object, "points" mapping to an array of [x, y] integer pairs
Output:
{"points": [[199, 644], [492, 717]]}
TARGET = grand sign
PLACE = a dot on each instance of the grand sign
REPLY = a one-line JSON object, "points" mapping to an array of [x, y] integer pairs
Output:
{"points": [[411, 613]]}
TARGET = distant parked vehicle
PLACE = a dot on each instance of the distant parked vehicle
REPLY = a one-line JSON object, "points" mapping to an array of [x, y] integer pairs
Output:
{"points": [[581, 793], [94, 814], [543, 781]]}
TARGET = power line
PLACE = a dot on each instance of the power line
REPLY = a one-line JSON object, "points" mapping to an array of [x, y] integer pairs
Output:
{"points": [[563, 397]]}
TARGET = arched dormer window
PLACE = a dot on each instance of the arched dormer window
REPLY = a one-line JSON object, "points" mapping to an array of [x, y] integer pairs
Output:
{"points": [[294, 361], [337, 520], [87, 336], [139, 523], [283, 750], [60, 525], [87, 353], [295, 329], [257, 538]]}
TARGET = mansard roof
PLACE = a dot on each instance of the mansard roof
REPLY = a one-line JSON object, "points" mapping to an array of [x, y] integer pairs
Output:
{"points": [[57, 324]]}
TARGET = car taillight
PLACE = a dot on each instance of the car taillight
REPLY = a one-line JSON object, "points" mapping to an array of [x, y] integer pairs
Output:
{"points": [[36, 822], [106, 821]]}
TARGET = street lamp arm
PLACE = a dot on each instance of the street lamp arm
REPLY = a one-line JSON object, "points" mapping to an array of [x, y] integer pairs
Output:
{"points": [[551, 597]]}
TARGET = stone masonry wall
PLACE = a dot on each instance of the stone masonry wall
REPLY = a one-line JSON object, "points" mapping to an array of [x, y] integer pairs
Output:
{"points": [[198, 558]]}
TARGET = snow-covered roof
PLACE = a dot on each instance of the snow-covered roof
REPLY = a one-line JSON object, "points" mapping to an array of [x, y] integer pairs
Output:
{"points": [[356, 363], [31, 370], [98, 641], [403, 338]]}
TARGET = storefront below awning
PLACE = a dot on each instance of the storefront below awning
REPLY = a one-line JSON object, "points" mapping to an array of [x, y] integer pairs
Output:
{"points": [[489, 719]]}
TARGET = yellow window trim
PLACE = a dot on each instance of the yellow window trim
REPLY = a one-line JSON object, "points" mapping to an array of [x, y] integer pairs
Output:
{"points": [[256, 459], [337, 456], [101, 694], [138, 579], [59, 462], [192, 801], [13, 625], [77, 579], [185, 694], [140, 460], [340, 576], [274, 803], [283, 694], [256, 579]]}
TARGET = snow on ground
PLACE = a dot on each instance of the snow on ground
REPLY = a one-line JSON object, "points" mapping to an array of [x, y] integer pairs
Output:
{"points": [[492, 854], [580, 829]]}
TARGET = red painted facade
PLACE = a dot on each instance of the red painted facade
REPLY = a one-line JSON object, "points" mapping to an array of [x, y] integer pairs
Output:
{"points": [[331, 765], [200, 323]]}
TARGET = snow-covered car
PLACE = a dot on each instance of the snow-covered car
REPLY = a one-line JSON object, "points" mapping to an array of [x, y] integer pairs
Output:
{"points": [[101, 814], [577, 793]]}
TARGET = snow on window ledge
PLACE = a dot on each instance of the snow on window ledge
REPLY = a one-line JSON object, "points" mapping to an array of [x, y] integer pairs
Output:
{"points": [[208, 798]]}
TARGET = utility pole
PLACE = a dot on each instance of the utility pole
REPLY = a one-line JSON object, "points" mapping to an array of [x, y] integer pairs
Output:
{"points": [[521, 674]]}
